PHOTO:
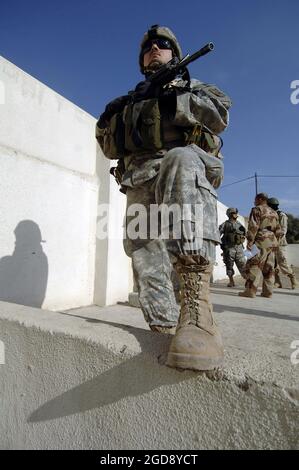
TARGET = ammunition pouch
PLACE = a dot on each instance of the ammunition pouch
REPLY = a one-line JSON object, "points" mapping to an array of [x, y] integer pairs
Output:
{"points": [[211, 143], [142, 123], [233, 238], [239, 239], [135, 130], [207, 141], [111, 138]]}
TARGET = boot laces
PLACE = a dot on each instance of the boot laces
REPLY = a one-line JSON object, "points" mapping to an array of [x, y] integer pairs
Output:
{"points": [[192, 288]]}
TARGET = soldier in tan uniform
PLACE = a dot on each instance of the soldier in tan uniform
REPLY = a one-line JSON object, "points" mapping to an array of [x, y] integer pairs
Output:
{"points": [[263, 231], [281, 254]]}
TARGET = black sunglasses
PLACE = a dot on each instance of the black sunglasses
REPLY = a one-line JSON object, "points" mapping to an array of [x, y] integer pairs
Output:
{"points": [[161, 43]]}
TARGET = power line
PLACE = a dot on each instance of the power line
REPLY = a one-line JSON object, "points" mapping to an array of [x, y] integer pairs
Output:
{"points": [[259, 176], [278, 176], [236, 182]]}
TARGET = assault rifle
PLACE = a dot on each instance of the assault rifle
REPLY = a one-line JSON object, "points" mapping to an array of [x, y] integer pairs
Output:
{"points": [[168, 72], [165, 74]]}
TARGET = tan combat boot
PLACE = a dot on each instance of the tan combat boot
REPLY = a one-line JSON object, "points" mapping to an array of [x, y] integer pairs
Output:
{"points": [[267, 296], [267, 290], [231, 282], [277, 282], [197, 343], [250, 290], [293, 280], [166, 330]]}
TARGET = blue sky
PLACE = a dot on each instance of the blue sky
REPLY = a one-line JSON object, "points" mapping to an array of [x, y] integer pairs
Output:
{"points": [[87, 50]]}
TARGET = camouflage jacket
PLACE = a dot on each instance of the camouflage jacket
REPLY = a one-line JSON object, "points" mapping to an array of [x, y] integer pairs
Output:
{"points": [[283, 222], [263, 227], [232, 233], [202, 104], [190, 104], [126, 127]]}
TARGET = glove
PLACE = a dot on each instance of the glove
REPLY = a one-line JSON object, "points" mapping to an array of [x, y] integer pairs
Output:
{"points": [[145, 90], [115, 106]]}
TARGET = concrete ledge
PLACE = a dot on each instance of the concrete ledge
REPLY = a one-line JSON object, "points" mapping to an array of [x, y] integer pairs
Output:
{"points": [[94, 378]]}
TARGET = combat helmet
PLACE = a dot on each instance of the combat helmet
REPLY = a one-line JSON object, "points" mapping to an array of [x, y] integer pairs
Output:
{"points": [[272, 201], [231, 210], [154, 32]]}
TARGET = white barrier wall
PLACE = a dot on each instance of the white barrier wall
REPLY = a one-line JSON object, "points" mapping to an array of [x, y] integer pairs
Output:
{"points": [[54, 181], [113, 274], [48, 200], [293, 254]]}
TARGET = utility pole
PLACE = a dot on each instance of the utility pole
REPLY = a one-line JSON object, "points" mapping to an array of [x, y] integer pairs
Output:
{"points": [[255, 177]]}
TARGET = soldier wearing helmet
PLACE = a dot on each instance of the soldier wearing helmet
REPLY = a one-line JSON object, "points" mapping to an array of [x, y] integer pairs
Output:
{"points": [[232, 235], [166, 140], [281, 263], [263, 231], [164, 39]]}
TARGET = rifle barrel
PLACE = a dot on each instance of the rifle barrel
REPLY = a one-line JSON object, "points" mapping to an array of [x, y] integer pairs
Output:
{"points": [[203, 51], [169, 68]]}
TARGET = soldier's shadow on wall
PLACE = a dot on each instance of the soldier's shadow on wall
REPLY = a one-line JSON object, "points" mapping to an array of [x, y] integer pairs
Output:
{"points": [[24, 274]]}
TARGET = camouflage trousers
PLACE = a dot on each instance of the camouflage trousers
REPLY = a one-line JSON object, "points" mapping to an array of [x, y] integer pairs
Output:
{"points": [[259, 269], [281, 263], [234, 255], [153, 258]]}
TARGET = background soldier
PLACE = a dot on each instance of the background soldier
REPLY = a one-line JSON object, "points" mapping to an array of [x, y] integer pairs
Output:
{"points": [[263, 230], [167, 138], [232, 235], [281, 253]]}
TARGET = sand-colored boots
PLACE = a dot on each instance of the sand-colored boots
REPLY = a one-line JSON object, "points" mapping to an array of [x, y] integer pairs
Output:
{"points": [[197, 343]]}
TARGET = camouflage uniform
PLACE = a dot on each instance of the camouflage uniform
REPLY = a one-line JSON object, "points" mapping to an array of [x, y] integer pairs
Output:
{"points": [[184, 170], [263, 230], [232, 251], [281, 254], [281, 263], [179, 174]]}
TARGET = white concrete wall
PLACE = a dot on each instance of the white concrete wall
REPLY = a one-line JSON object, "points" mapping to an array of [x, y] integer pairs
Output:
{"points": [[293, 254], [113, 274], [53, 177], [49, 191]]}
